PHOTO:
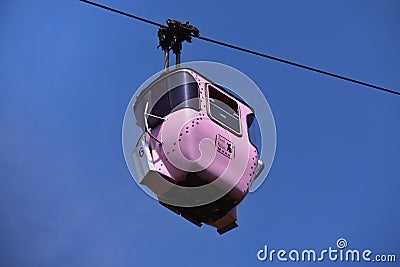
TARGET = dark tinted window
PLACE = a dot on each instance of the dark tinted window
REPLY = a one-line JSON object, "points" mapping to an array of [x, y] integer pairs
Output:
{"points": [[254, 132], [223, 109], [183, 96]]}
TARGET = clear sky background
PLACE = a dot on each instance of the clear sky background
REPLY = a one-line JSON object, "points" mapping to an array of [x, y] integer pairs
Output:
{"points": [[68, 70]]}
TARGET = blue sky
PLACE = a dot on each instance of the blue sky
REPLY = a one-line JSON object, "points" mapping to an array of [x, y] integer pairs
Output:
{"points": [[68, 70]]}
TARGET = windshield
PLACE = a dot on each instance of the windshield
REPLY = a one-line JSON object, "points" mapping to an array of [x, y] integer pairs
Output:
{"points": [[182, 96], [167, 93]]}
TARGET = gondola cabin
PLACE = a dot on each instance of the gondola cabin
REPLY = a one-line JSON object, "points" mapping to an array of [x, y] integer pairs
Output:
{"points": [[198, 152]]}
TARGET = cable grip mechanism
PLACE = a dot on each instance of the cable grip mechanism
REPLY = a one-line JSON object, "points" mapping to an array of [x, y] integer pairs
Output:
{"points": [[172, 36]]}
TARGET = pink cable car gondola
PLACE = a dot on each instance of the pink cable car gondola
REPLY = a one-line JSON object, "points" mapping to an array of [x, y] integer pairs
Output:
{"points": [[198, 152]]}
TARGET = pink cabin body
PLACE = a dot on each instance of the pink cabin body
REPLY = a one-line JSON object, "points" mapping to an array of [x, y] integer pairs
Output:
{"points": [[195, 153]]}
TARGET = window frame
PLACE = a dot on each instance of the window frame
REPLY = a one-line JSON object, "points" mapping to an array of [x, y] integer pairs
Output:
{"points": [[216, 120]]}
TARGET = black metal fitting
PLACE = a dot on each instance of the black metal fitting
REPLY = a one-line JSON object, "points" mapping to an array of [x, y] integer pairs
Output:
{"points": [[172, 36]]}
